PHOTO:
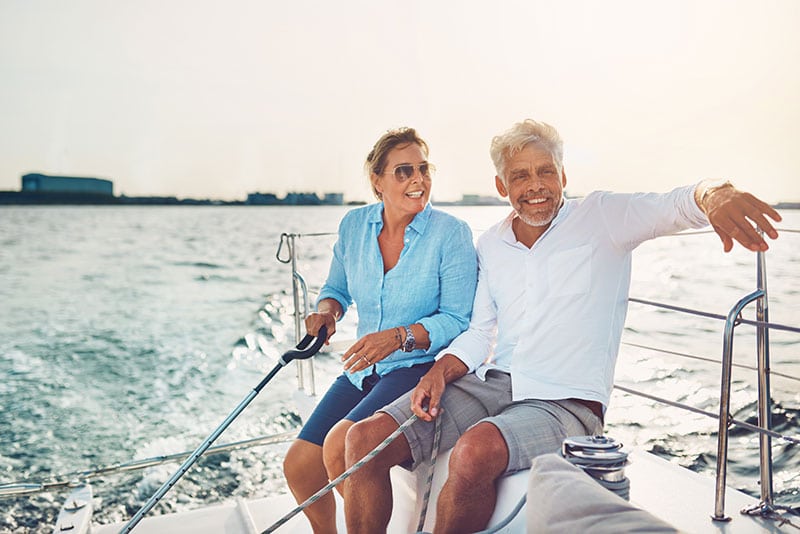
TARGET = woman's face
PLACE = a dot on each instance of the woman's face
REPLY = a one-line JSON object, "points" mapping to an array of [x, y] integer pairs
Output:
{"points": [[406, 181]]}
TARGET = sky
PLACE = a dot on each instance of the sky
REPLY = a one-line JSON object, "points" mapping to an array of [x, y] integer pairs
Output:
{"points": [[218, 99]]}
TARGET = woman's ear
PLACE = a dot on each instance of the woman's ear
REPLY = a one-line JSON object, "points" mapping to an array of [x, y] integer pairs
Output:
{"points": [[376, 186]]}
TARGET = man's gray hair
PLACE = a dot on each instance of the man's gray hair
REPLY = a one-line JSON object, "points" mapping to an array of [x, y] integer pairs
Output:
{"points": [[519, 136]]}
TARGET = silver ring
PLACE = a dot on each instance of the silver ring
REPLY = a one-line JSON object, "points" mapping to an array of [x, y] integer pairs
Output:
{"points": [[365, 359]]}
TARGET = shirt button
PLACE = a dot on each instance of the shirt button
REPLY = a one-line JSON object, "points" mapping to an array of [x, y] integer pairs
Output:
{"points": [[407, 240]]}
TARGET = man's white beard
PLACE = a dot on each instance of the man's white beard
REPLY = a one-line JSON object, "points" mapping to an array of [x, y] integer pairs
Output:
{"points": [[537, 220]]}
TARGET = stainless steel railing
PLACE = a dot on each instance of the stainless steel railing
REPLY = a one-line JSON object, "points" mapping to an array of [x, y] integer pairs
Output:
{"points": [[306, 380], [764, 405]]}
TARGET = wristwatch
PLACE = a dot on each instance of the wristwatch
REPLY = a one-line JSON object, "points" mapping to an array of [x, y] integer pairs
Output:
{"points": [[410, 343]]}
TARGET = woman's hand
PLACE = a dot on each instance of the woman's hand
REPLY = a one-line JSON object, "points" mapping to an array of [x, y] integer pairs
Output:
{"points": [[317, 319], [370, 349]]}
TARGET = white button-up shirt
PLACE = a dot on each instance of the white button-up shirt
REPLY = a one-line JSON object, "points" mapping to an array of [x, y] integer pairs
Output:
{"points": [[553, 315]]}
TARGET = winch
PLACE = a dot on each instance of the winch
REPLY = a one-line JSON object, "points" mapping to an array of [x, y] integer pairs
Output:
{"points": [[602, 458]]}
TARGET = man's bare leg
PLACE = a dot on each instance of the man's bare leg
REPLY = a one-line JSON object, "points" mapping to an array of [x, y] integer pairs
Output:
{"points": [[368, 491], [467, 499]]}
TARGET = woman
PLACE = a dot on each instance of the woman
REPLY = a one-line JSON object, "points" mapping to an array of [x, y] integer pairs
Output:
{"points": [[412, 271]]}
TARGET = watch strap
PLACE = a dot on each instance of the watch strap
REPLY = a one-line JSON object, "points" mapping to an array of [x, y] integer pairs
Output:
{"points": [[410, 343]]}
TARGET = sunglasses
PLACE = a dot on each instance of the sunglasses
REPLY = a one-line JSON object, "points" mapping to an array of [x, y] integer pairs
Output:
{"points": [[405, 171]]}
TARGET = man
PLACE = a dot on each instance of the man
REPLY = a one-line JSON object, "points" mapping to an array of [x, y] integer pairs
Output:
{"points": [[537, 362]]}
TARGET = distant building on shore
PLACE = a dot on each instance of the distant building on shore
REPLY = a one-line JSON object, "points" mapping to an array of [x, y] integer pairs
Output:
{"points": [[295, 199], [473, 200], [42, 183], [44, 189]]}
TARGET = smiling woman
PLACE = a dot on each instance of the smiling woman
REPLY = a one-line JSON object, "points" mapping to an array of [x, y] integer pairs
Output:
{"points": [[402, 325]]}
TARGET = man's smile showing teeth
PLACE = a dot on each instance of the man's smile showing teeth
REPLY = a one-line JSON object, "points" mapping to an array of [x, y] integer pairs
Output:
{"points": [[535, 200], [414, 194]]}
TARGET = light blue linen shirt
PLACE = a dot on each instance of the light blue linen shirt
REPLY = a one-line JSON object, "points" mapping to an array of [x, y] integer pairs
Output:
{"points": [[433, 283]]}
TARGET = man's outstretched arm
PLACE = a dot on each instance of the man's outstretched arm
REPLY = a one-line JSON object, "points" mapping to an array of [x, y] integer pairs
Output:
{"points": [[736, 215]]}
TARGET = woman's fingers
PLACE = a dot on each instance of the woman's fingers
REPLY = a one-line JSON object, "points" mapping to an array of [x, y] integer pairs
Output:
{"points": [[357, 362], [369, 349]]}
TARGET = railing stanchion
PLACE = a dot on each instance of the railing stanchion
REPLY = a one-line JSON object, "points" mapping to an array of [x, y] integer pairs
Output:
{"points": [[305, 367], [290, 241], [724, 404], [764, 396]]}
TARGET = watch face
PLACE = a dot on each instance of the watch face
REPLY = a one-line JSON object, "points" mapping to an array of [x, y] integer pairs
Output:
{"points": [[410, 343]]}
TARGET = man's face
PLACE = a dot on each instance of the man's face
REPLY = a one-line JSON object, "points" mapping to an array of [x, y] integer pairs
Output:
{"points": [[533, 184]]}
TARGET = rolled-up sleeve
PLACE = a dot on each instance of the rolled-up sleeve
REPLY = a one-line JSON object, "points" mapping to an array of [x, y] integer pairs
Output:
{"points": [[458, 273]]}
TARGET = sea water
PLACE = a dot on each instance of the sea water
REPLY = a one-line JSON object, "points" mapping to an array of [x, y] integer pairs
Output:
{"points": [[131, 332]]}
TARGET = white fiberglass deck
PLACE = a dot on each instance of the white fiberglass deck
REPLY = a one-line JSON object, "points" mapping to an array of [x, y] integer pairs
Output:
{"points": [[678, 496]]}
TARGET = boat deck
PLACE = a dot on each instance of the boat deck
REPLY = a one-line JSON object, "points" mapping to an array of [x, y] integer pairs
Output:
{"points": [[685, 499], [678, 496]]}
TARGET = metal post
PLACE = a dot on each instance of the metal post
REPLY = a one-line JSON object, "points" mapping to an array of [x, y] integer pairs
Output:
{"points": [[724, 404], [308, 365], [764, 397], [296, 303], [305, 368]]}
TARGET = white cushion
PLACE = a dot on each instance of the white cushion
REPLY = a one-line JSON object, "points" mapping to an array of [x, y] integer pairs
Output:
{"points": [[564, 499]]}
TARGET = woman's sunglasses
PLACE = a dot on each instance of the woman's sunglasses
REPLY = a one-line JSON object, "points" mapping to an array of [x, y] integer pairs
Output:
{"points": [[405, 171]]}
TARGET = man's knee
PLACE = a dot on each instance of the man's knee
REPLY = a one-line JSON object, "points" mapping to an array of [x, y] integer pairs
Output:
{"points": [[480, 453]]}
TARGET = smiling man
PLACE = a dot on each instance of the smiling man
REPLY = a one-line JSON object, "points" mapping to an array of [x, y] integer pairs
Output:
{"points": [[537, 362]]}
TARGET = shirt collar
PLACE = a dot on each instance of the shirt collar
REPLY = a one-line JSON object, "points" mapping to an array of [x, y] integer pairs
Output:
{"points": [[418, 223]]}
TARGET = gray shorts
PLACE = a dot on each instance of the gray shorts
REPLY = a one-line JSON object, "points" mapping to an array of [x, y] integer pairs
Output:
{"points": [[529, 427]]}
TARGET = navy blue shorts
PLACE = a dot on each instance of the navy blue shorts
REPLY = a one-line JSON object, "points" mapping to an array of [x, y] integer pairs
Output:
{"points": [[345, 401]]}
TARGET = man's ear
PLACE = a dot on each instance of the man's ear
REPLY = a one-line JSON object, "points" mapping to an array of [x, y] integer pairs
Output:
{"points": [[501, 187], [563, 178]]}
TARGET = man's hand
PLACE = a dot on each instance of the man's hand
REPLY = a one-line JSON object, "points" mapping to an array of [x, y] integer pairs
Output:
{"points": [[426, 396], [732, 213]]}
